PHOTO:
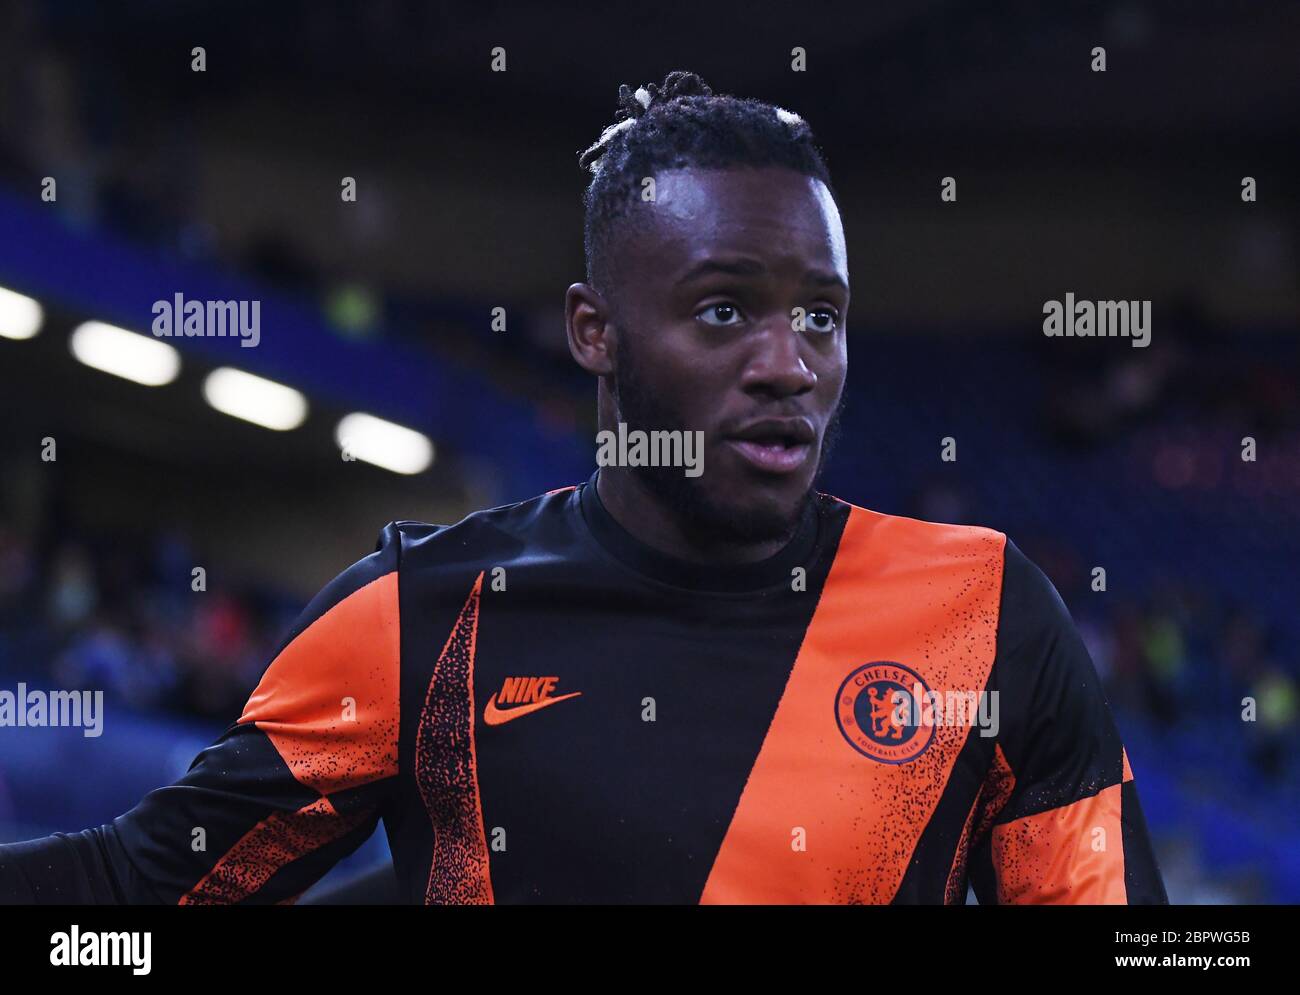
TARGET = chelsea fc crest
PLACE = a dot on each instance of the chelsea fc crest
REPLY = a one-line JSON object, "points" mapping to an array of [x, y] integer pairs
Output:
{"points": [[878, 710]]}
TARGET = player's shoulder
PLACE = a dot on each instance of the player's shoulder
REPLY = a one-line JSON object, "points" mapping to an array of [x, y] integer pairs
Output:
{"points": [[484, 532], [1030, 609], [1027, 593], [366, 592], [899, 537]]}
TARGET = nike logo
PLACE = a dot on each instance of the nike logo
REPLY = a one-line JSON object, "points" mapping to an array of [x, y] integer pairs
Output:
{"points": [[525, 695]]}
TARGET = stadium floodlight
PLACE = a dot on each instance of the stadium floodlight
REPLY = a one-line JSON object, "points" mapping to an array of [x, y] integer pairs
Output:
{"points": [[384, 444], [125, 354], [20, 317], [255, 399]]}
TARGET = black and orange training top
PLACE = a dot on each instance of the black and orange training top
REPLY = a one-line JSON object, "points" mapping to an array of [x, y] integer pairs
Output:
{"points": [[541, 708]]}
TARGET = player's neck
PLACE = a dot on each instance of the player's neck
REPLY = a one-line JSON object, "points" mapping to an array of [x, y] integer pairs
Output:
{"points": [[647, 519]]}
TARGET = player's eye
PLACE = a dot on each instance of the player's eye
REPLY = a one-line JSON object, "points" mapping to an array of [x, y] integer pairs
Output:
{"points": [[720, 315], [822, 320]]}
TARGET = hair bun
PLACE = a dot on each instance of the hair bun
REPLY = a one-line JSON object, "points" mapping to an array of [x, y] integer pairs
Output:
{"points": [[633, 104], [683, 84], [679, 83]]}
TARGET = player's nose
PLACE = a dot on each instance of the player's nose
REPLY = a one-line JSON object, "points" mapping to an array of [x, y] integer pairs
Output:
{"points": [[776, 365]]}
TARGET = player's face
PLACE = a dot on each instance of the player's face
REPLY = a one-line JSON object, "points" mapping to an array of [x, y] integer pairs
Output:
{"points": [[710, 291]]}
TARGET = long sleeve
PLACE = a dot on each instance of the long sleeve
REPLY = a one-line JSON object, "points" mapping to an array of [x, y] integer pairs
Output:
{"points": [[1066, 827], [295, 785]]}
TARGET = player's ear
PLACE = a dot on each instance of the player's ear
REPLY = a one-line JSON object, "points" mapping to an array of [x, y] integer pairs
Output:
{"points": [[591, 333]]}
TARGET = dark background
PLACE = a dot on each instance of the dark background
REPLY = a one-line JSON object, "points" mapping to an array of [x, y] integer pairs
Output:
{"points": [[225, 184]]}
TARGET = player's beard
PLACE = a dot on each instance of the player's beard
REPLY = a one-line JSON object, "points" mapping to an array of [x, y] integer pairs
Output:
{"points": [[700, 512]]}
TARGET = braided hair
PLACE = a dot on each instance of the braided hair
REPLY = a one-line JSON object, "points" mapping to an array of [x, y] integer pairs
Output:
{"points": [[681, 123]]}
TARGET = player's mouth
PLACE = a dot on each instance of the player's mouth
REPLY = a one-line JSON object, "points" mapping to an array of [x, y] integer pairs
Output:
{"points": [[775, 445]]}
